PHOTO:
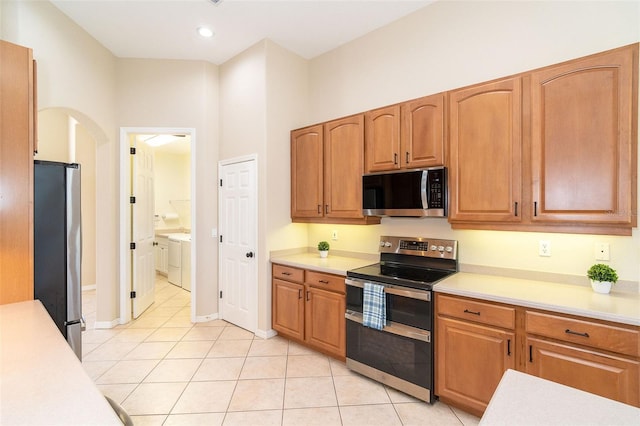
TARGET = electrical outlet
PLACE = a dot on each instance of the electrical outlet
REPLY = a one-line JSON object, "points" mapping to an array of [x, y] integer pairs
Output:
{"points": [[334, 235], [544, 248], [602, 251]]}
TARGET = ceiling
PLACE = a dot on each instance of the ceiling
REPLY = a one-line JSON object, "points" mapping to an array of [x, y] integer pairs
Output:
{"points": [[167, 29]]}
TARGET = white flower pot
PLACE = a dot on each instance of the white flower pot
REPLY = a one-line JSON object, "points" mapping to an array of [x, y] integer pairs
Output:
{"points": [[603, 287], [324, 253]]}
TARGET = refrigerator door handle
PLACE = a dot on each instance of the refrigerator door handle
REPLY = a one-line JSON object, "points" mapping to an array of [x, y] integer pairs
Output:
{"points": [[83, 323]]}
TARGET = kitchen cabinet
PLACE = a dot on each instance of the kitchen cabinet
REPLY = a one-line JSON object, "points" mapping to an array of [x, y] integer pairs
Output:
{"points": [[17, 145], [485, 137], [405, 136], [583, 137], [327, 163], [161, 254], [476, 341], [587, 355], [552, 150], [475, 345], [309, 307]]}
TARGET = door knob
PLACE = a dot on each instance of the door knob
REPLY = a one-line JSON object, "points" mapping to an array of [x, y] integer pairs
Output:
{"points": [[250, 254]]}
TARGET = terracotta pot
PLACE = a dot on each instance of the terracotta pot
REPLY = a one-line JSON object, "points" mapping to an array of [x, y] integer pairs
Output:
{"points": [[603, 287]]}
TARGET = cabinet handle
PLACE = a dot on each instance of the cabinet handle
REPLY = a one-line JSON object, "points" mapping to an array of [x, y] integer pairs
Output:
{"points": [[308, 298], [575, 333], [395, 158], [466, 311], [535, 208], [508, 347], [299, 293], [530, 353], [323, 281], [406, 157], [516, 209], [326, 208], [319, 209], [286, 273]]}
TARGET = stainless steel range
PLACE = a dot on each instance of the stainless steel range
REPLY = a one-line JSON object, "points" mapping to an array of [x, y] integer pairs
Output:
{"points": [[399, 353]]}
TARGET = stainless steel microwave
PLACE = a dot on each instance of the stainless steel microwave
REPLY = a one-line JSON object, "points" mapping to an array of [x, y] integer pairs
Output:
{"points": [[414, 193]]}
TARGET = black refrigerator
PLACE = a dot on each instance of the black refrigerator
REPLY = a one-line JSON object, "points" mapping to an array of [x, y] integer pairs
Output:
{"points": [[57, 246]]}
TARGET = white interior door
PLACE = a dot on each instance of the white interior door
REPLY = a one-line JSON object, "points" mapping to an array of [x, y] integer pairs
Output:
{"points": [[142, 229], [238, 218]]}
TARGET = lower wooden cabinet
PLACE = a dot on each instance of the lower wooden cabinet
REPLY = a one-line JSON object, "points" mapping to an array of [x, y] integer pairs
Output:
{"points": [[592, 371], [476, 341], [309, 307]]}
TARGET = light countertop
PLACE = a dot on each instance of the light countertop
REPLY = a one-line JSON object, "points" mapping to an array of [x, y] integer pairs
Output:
{"points": [[522, 399], [333, 264], [564, 298], [42, 382]]}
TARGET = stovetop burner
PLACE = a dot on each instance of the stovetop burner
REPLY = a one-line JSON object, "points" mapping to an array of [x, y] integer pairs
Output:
{"points": [[411, 262]]}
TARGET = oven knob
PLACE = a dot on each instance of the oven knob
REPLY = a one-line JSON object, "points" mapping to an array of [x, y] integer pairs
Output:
{"points": [[440, 249], [387, 244], [449, 249], [434, 248], [381, 243]]}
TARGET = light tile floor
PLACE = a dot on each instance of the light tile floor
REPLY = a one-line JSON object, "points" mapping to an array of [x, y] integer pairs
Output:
{"points": [[164, 370]]}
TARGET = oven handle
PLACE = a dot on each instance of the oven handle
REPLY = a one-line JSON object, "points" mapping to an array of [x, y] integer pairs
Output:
{"points": [[413, 294], [394, 328]]}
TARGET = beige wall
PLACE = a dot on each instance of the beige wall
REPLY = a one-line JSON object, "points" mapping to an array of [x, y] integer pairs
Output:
{"points": [[451, 44], [172, 181]]}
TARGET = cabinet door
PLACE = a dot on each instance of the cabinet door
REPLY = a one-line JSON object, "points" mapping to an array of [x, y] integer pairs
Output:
{"points": [[382, 139], [306, 172], [470, 361], [288, 308], [591, 371], [422, 136], [583, 161], [343, 167], [325, 322], [485, 142], [17, 135]]}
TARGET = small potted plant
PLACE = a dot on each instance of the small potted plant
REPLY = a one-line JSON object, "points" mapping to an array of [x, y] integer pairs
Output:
{"points": [[602, 277], [323, 248]]}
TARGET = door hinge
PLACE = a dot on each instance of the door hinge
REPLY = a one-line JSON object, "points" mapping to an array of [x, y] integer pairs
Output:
{"points": [[132, 200], [132, 246], [132, 150], [132, 294], [220, 294], [220, 182]]}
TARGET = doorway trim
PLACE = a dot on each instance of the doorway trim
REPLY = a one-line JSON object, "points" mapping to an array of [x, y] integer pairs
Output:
{"points": [[125, 219]]}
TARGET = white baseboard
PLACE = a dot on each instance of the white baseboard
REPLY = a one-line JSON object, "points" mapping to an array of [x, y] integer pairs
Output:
{"points": [[205, 318], [106, 324], [266, 334]]}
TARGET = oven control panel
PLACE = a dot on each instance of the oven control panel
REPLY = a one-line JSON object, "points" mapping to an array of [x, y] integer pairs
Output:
{"points": [[420, 246]]}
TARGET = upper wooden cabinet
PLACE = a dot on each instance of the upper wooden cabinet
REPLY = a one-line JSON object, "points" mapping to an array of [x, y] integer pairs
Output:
{"points": [[408, 135], [582, 157], [327, 163], [17, 138], [554, 150], [485, 140]]}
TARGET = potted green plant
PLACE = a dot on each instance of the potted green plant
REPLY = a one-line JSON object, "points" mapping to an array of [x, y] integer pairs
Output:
{"points": [[602, 277], [323, 248]]}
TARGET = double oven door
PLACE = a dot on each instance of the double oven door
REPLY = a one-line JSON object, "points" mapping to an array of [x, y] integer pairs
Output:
{"points": [[401, 354]]}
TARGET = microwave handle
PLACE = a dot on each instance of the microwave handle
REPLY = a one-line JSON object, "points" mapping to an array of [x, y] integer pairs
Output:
{"points": [[423, 189]]}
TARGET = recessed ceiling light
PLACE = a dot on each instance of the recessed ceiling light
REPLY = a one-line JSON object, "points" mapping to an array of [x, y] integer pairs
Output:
{"points": [[205, 31]]}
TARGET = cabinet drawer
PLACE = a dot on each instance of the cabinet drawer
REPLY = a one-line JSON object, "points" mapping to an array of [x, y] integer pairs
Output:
{"points": [[584, 332], [288, 273], [325, 281], [471, 310]]}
